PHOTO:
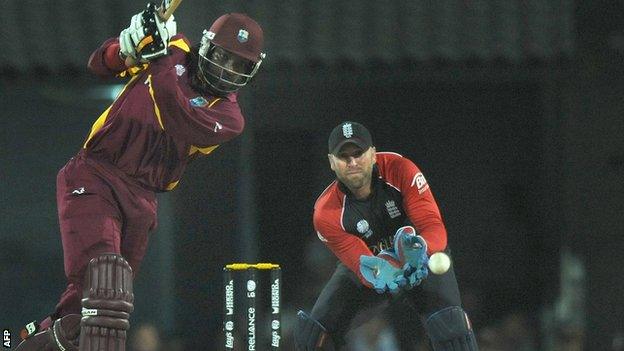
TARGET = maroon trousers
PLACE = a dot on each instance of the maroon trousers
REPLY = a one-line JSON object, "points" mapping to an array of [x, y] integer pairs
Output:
{"points": [[100, 211]]}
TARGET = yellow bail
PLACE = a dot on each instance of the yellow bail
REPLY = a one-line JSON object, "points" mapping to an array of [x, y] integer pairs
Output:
{"points": [[244, 266]]}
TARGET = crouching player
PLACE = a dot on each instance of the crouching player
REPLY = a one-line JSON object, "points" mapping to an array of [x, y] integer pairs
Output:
{"points": [[380, 219]]}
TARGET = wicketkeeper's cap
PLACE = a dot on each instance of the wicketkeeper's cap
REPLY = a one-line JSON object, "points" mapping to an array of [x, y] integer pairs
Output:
{"points": [[349, 132]]}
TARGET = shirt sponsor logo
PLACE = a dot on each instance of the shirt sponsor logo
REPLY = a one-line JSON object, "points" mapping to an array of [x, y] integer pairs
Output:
{"points": [[420, 182], [386, 243], [392, 208], [180, 69], [198, 101]]}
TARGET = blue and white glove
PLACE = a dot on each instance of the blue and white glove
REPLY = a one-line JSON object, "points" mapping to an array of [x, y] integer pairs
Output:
{"points": [[382, 274], [391, 256], [411, 250], [148, 35]]}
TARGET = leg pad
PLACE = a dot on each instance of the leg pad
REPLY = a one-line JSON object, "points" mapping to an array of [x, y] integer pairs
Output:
{"points": [[107, 302], [310, 335], [450, 330]]}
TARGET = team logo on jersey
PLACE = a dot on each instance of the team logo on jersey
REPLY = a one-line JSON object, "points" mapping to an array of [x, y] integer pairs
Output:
{"points": [[392, 208], [347, 130], [420, 182], [198, 101], [243, 36], [217, 127], [79, 191], [364, 228], [180, 69]]}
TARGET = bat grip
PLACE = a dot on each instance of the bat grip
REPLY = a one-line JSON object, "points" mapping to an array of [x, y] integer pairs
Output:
{"points": [[169, 11]]}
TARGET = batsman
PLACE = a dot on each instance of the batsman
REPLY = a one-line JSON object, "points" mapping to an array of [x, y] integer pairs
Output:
{"points": [[380, 219], [179, 103]]}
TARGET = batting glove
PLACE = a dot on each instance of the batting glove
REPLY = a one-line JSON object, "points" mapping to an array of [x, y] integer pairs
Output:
{"points": [[147, 37]]}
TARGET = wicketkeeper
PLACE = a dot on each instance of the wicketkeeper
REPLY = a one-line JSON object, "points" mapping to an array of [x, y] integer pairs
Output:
{"points": [[380, 219]]}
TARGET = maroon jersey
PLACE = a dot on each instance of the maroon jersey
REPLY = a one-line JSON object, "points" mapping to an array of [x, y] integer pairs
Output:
{"points": [[401, 196], [158, 123]]}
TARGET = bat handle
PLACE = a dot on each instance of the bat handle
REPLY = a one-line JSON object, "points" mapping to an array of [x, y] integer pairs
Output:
{"points": [[169, 11], [130, 62]]}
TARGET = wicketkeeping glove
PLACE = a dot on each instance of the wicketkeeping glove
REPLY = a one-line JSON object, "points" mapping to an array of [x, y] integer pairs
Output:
{"points": [[382, 275], [148, 35], [412, 252], [391, 256]]}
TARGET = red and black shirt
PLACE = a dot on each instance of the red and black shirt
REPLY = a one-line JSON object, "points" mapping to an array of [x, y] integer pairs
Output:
{"points": [[400, 196]]}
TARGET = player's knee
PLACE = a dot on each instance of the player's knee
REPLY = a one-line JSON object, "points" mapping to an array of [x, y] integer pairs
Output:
{"points": [[450, 330], [107, 301], [311, 335]]}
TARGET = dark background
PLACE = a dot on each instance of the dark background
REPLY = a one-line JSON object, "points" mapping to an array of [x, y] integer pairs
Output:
{"points": [[513, 111]]}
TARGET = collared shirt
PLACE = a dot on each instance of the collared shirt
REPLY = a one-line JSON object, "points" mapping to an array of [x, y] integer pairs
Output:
{"points": [[400, 196], [158, 123]]}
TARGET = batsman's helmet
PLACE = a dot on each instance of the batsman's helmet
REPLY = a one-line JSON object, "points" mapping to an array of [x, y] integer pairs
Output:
{"points": [[230, 52]]}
